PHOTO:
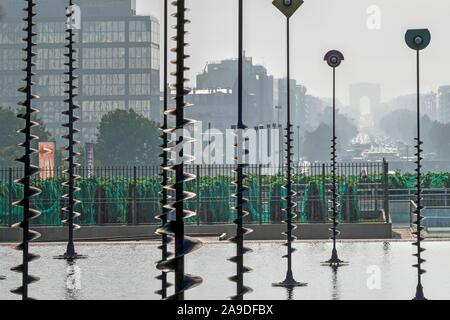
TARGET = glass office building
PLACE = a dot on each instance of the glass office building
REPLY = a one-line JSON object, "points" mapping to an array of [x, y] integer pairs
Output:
{"points": [[118, 55]]}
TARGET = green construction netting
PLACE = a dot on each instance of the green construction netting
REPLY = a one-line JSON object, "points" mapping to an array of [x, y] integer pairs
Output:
{"points": [[115, 199]]}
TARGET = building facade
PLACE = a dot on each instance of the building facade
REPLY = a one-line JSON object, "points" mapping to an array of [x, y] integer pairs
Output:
{"points": [[215, 96], [118, 54], [300, 112], [444, 104]]}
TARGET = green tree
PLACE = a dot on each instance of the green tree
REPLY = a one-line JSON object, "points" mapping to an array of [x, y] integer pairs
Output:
{"points": [[10, 138], [316, 146], [127, 138], [317, 143]]}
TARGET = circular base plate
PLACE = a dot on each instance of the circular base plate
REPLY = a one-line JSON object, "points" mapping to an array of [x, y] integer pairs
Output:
{"points": [[289, 284], [70, 258], [334, 263]]}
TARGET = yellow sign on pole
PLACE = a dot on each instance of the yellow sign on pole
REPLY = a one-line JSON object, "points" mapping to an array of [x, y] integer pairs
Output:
{"points": [[287, 7]]}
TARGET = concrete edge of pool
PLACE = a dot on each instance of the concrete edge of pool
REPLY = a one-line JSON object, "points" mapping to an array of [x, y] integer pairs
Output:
{"points": [[319, 231]]}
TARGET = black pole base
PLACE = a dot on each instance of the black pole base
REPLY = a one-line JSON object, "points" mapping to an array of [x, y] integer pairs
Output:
{"points": [[419, 293], [68, 257], [289, 282], [70, 254], [334, 261], [2, 277]]}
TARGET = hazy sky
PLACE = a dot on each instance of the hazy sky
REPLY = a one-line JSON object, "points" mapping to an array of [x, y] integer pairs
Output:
{"points": [[378, 56]]}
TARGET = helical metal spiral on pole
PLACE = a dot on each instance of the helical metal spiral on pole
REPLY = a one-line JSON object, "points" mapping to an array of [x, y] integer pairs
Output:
{"points": [[418, 39], [288, 8], [164, 196], [69, 198], [334, 59], [30, 170], [240, 150], [175, 228]]}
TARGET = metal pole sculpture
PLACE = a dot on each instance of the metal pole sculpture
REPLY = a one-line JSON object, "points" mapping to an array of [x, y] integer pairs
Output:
{"points": [[165, 239], [241, 232], [288, 8], [334, 59], [30, 170], [418, 39], [69, 185], [183, 244]]}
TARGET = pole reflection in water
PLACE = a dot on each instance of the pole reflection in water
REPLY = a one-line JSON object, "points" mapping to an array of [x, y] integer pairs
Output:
{"points": [[290, 293], [335, 289], [73, 281]]}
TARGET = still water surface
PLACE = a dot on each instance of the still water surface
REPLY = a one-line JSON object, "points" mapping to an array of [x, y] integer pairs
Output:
{"points": [[377, 270]]}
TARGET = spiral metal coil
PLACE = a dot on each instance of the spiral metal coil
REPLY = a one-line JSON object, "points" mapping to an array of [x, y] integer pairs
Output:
{"points": [[164, 196], [69, 185], [418, 222], [290, 204], [175, 228], [241, 232], [335, 205], [30, 170]]}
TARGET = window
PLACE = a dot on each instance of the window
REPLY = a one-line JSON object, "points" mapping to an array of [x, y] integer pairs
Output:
{"points": [[104, 58], [103, 31], [140, 84], [139, 31], [103, 84], [140, 58]]}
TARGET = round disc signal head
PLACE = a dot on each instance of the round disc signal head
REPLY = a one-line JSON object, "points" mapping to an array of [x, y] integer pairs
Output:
{"points": [[418, 39], [287, 7], [334, 58]]}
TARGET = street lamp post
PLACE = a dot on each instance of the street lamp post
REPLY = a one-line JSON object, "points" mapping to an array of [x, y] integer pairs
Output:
{"points": [[418, 39], [334, 59], [288, 8]]}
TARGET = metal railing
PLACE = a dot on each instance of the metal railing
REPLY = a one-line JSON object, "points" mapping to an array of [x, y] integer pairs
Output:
{"points": [[130, 195]]}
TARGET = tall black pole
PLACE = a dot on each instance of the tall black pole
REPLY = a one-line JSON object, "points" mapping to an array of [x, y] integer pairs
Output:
{"points": [[419, 289], [183, 244], [30, 170], [288, 8], [165, 238], [69, 198], [241, 232], [418, 39], [334, 59]]}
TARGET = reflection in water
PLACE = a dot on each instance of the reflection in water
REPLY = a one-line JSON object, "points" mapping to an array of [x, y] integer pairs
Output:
{"points": [[386, 247], [335, 284], [73, 281], [290, 293]]}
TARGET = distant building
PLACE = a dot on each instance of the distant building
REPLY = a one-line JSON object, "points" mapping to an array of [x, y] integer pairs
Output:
{"points": [[444, 104], [300, 112], [118, 59], [215, 97], [365, 101], [428, 105]]}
